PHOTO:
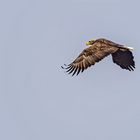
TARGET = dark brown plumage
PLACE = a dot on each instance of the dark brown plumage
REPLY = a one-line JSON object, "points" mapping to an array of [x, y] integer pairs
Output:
{"points": [[97, 50]]}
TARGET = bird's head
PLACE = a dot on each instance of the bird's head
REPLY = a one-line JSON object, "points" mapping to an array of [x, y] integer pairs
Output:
{"points": [[91, 42]]}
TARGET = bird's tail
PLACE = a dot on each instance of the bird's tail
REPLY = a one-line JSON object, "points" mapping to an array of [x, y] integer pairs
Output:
{"points": [[130, 48]]}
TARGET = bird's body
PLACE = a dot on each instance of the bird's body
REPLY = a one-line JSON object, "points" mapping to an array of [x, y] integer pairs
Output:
{"points": [[97, 50]]}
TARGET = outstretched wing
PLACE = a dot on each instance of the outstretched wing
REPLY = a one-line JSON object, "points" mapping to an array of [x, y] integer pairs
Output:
{"points": [[124, 59], [88, 57]]}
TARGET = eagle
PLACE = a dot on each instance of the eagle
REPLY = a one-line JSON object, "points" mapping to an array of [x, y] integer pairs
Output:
{"points": [[96, 51]]}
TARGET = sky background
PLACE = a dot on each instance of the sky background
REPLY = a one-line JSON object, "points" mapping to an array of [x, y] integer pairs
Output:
{"points": [[38, 100]]}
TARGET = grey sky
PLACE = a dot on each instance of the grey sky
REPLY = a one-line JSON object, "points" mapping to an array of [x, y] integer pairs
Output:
{"points": [[38, 100]]}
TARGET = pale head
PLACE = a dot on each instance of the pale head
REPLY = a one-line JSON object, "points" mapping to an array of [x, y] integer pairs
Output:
{"points": [[91, 42]]}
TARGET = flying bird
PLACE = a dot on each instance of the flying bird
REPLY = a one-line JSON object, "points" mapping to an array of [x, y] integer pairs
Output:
{"points": [[96, 51]]}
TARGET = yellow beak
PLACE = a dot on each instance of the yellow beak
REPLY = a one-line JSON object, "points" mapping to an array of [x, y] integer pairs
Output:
{"points": [[87, 43]]}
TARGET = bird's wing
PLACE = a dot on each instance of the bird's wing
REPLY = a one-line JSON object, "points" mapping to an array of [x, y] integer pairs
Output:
{"points": [[124, 59], [88, 57]]}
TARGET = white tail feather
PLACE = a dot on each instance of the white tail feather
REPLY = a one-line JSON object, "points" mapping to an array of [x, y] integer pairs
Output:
{"points": [[130, 48]]}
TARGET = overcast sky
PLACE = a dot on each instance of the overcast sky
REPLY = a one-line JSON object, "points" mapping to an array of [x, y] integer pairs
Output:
{"points": [[38, 100]]}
